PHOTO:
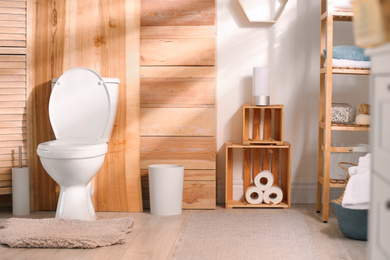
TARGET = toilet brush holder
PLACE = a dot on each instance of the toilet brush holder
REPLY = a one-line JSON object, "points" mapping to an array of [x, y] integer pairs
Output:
{"points": [[20, 189]]}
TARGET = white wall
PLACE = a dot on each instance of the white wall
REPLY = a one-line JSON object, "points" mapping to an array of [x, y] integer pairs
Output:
{"points": [[291, 49]]}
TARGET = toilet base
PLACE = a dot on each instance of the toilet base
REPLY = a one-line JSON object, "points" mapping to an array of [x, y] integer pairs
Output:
{"points": [[75, 203]]}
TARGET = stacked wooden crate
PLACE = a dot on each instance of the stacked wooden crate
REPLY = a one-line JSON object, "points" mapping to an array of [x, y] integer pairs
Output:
{"points": [[264, 149], [178, 118], [12, 92]]}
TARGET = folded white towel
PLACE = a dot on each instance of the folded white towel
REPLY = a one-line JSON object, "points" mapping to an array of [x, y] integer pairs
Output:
{"points": [[342, 5], [352, 64], [357, 191]]}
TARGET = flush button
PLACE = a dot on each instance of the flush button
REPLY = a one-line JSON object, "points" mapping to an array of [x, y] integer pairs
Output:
{"points": [[100, 82]]}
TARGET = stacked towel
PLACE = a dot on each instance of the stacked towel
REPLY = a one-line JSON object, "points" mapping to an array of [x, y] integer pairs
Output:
{"points": [[342, 5], [357, 191], [346, 56]]}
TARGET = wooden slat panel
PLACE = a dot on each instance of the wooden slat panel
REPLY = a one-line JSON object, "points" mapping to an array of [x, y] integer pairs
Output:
{"points": [[189, 175], [10, 43], [10, 104], [275, 166], [5, 183], [177, 52], [12, 97], [178, 91], [177, 12], [177, 122], [12, 17], [12, 50], [12, 78], [12, 36], [4, 191], [12, 30], [12, 65], [13, 71], [13, 124], [177, 72], [5, 177], [16, 4], [192, 152], [196, 194], [12, 57], [13, 84], [8, 151], [14, 163], [12, 130], [13, 23], [12, 117], [177, 32], [12, 111], [10, 10], [16, 137], [13, 91]]}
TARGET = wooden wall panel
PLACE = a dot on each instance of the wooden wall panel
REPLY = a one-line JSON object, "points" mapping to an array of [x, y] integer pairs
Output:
{"points": [[177, 52], [178, 118], [177, 12], [104, 36], [177, 122]]}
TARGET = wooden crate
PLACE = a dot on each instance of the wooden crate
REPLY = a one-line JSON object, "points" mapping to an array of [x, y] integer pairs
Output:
{"points": [[266, 122], [275, 158]]}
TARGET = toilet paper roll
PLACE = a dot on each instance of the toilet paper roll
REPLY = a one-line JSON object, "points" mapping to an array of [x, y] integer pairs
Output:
{"points": [[253, 190], [20, 191], [273, 195], [268, 176]]}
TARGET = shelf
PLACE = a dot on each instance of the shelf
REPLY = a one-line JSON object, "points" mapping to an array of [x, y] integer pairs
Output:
{"points": [[344, 127], [347, 71], [333, 183], [244, 204], [263, 11], [339, 16], [5, 190]]}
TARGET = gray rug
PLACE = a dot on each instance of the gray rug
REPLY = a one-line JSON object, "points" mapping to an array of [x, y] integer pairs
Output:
{"points": [[245, 236], [64, 233]]}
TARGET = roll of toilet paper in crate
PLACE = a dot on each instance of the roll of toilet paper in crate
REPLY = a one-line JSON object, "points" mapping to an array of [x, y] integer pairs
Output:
{"points": [[268, 176], [20, 191], [254, 195], [273, 195]]}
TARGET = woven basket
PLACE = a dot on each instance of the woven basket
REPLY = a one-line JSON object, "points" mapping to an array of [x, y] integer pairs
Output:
{"points": [[352, 222]]}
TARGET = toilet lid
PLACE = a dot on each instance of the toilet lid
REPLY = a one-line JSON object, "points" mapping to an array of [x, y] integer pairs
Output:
{"points": [[79, 105]]}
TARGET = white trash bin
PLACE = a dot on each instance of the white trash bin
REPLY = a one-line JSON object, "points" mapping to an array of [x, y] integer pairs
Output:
{"points": [[166, 189]]}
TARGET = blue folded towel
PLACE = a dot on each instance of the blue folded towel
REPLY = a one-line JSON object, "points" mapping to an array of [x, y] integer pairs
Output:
{"points": [[348, 53]]}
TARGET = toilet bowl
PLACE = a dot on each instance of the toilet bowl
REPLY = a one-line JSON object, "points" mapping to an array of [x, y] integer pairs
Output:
{"points": [[82, 111]]}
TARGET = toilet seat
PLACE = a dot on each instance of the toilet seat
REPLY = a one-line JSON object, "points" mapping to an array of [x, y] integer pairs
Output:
{"points": [[79, 106], [72, 149]]}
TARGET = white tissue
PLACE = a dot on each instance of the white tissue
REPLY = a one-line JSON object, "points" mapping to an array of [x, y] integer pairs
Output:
{"points": [[267, 175], [273, 200], [257, 199]]}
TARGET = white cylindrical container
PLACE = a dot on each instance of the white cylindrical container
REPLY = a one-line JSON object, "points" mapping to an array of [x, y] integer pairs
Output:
{"points": [[166, 189], [20, 191], [260, 86]]}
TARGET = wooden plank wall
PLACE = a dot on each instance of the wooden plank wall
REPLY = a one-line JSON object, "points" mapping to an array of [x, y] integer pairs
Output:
{"points": [[13, 131], [178, 117], [102, 35]]}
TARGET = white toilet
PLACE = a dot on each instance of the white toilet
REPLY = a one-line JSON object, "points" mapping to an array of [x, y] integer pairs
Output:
{"points": [[82, 111]]}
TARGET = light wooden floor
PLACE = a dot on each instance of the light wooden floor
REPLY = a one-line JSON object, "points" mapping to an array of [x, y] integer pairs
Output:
{"points": [[154, 237]]}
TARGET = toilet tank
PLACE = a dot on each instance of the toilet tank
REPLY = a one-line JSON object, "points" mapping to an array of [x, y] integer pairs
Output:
{"points": [[113, 90]]}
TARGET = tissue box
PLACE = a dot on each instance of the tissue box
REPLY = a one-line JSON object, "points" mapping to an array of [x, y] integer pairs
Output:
{"points": [[342, 113]]}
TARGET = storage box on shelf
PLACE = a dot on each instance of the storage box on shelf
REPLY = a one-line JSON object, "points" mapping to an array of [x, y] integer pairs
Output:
{"points": [[275, 158], [267, 124]]}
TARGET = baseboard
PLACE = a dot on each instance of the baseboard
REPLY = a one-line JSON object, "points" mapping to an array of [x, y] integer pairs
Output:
{"points": [[301, 192]]}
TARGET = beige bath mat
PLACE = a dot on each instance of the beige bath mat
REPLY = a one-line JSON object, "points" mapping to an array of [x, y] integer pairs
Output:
{"points": [[64, 233]]}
